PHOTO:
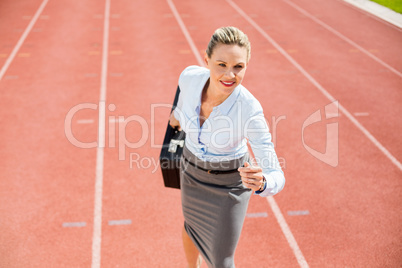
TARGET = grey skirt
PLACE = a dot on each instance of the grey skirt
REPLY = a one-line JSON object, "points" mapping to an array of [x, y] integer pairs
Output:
{"points": [[214, 207]]}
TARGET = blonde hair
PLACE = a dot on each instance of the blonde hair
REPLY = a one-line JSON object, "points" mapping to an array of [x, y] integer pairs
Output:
{"points": [[229, 36]]}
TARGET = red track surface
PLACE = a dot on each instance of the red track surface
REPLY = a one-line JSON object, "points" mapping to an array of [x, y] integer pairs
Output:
{"points": [[46, 182]]}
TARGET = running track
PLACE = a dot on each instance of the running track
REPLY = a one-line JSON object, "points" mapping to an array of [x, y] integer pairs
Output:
{"points": [[66, 206]]}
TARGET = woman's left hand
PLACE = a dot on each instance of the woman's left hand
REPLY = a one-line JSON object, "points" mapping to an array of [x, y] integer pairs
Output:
{"points": [[251, 176]]}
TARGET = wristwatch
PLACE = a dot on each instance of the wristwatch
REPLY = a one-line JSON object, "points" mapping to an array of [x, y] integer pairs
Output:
{"points": [[262, 187]]}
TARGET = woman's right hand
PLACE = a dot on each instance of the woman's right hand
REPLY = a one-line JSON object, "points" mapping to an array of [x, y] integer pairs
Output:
{"points": [[173, 122]]}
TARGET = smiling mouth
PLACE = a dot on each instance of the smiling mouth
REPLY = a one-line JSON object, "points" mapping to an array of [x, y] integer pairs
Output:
{"points": [[227, 83]]}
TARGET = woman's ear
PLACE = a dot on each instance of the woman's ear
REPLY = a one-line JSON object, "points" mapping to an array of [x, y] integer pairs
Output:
{"points": [[206, 60]]}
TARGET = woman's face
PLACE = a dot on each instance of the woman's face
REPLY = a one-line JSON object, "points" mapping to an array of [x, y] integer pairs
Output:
{"points": [[227, 66]]}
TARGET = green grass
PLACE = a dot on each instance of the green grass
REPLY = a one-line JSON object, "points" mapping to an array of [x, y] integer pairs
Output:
{"points": [[395, 5]]}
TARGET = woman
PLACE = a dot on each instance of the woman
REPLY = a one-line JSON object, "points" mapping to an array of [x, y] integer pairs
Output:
{"points": [[219, 116]]}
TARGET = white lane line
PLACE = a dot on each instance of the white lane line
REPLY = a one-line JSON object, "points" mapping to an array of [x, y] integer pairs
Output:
{"points": [[97, 227], [22, 39], [10, 77], [257, 215], [120, 222], [120, 119], [288, 234], [344, 38], [85, 121], [285, 229], [74, 224], [361, 114], [185, 32], [298, 212], [284, 226], [318, 86]]}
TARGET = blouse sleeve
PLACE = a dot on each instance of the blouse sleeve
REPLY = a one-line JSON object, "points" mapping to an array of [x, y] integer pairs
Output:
{"points": [[185, 80], [257, 132], [178, 107], [182, 84]]}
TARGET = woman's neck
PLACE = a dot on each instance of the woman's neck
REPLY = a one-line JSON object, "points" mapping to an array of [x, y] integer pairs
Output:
{"points": [[210, 96]]}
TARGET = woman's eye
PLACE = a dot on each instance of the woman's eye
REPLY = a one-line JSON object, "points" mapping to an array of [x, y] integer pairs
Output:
{"points": [[222, 65], [238, 66]]}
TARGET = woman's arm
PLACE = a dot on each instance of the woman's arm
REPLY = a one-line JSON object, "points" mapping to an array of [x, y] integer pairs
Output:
{"points": [[257, 131]]}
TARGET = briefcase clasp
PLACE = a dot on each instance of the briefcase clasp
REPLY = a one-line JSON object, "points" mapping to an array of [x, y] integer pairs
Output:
{"points": [[173, 145]]}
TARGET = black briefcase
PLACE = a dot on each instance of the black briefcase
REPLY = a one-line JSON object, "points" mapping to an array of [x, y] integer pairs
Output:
{"points": [[171, 152]]}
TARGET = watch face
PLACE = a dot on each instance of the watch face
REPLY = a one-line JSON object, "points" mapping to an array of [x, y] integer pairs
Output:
{"points": [[264, 182]]}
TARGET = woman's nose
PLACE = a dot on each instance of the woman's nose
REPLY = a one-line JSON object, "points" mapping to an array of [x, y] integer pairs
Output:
{"points": [[230, 73]]}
